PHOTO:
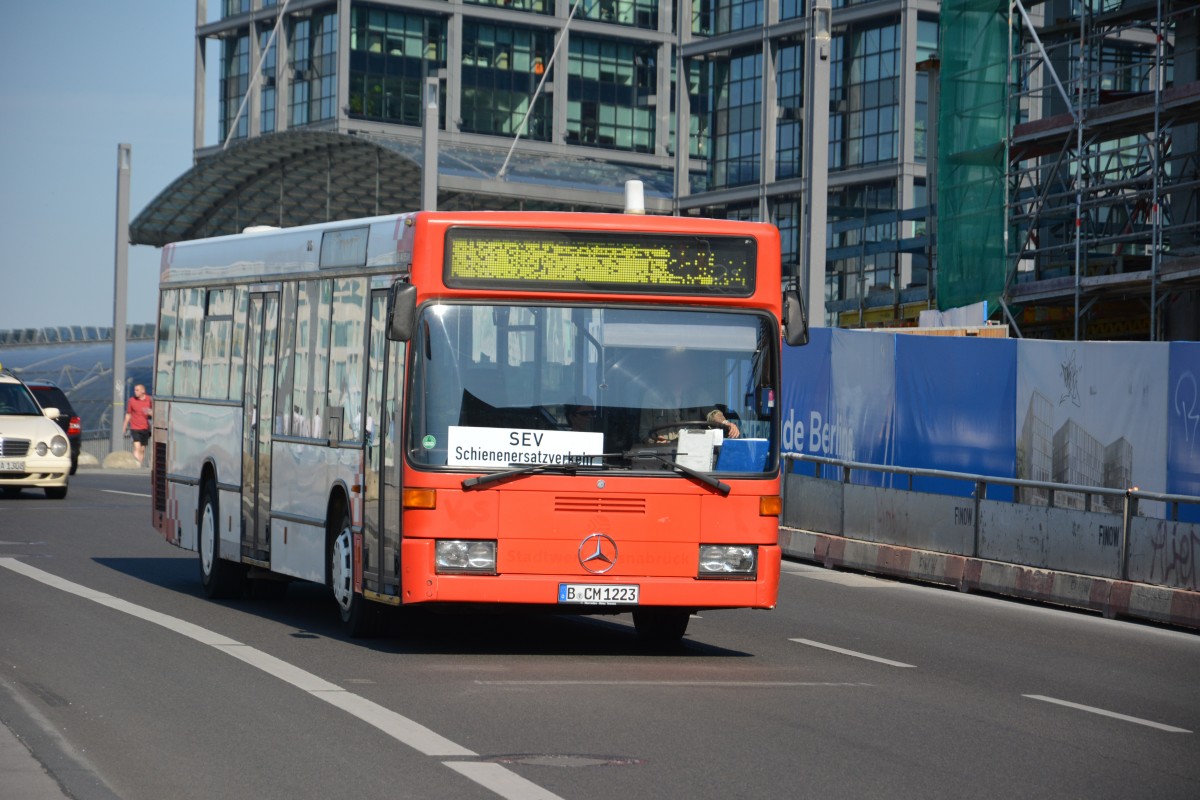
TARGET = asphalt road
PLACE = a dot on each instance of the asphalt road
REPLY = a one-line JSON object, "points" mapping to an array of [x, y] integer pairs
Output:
{"points": [[128, 683]]}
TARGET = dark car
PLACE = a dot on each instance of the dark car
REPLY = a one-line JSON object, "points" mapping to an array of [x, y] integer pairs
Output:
{"points": [[50, 396]]}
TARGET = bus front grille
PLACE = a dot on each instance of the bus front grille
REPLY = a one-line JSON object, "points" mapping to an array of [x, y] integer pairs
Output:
{"points": [[596, 505]]}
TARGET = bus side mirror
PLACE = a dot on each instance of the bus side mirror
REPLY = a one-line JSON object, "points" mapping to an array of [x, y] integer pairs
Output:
{"points": [[795, 325], [402, 311]]}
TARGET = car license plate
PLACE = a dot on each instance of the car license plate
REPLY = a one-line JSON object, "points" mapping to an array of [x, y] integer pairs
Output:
{"points": [[12, 466], [599, 594]]}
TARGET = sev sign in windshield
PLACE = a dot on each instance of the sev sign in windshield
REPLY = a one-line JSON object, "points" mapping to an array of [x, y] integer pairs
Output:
{"points": [[501, 447]]}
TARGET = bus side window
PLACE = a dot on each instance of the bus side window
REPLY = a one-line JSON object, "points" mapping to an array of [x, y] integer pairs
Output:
{"points": [[287, 344], [168, 331], [311, 371], [237, 349], [347, 340], [187, 355], [218, 329]]}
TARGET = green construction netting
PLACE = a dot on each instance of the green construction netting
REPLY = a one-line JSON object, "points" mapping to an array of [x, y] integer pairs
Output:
{"points": [[972, 130]]}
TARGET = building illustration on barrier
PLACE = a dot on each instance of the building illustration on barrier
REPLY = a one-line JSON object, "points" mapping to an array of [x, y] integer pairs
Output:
{"points": [[1072, 455]]}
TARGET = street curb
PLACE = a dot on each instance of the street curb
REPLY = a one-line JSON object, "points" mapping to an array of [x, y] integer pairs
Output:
{"points": [[1113, 598]]}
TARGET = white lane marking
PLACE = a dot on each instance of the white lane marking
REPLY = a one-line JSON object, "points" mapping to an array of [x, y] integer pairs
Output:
{"points": [[131, 494], [1102, 712], [500, 780], [401, 728], [494, 777], [854, 653], [688, 684]]}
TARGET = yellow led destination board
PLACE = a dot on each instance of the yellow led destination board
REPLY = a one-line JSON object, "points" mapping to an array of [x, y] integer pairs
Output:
{"points": [[590, 261]]}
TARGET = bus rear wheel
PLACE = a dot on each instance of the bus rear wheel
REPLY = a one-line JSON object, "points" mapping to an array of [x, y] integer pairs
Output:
{"points": [[661, 626], [220, 578], [357, 616]]}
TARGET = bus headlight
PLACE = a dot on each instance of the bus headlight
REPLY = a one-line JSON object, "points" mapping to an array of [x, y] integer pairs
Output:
{"points": [[464, 555], [728, 561], [59, 446]]}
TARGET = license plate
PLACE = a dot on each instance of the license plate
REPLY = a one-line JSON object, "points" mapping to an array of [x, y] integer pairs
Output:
{"points": [[12, 466], [599, 594]]}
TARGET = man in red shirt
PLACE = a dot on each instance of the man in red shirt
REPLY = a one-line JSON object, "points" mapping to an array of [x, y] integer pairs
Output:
{"points": [[138, 412]]}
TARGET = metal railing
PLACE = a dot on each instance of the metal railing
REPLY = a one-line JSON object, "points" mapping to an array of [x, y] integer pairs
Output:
{"points": [[1102, 531]]}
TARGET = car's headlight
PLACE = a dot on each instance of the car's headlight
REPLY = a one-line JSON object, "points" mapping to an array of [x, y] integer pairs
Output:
{"points": [[728, 561], [465, 555], [41, 449], [59, 445]]}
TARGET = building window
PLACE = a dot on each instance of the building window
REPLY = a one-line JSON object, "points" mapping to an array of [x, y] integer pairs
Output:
{"points": [[789, 128], [502, 67], [697, 135], [638, 13], [313, 66], [865, 95], [391, 54], [235, 78], [267, 95], [791, 9], [786, 216], [735, 95], [234, 7], [609, 89], [858, 276], [536, 6], [711, 17], [927, 42]]}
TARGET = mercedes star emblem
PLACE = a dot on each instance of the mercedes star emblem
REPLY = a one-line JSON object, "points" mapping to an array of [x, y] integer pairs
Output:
{"points": [[598, 553]]}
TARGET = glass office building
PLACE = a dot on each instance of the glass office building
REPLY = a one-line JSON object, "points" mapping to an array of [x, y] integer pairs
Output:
{"points": [[320, 116]]}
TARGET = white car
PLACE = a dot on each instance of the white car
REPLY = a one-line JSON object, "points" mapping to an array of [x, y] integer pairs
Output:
{"points": [[33, 450]]}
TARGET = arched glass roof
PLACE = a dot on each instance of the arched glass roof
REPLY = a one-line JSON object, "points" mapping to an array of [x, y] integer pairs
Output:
{"points": [[301, 177]]}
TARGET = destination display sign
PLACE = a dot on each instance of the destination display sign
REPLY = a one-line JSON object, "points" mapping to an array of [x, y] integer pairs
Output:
{"points": [[581, 261]]}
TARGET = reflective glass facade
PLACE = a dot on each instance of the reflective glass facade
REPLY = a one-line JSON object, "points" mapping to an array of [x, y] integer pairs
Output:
{"points": [[789, 127], [391, 54], [735, 91], [235, 78], [613, 95], [635, 13], [610, 86], [313, 68], [501, 69], [864, 90]]}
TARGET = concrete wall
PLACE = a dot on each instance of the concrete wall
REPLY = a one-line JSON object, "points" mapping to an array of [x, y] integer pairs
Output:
{"points": [[1160, 552]]}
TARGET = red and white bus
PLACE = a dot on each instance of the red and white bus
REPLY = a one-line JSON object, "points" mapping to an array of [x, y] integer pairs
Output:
{"points": [[565, 411]]}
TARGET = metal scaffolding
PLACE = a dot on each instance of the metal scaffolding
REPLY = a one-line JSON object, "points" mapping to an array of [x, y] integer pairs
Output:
{"points": [[1102, 167]]}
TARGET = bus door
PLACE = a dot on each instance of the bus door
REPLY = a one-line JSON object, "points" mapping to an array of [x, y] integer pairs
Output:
{"points": [[258, 410], [382, 467]]}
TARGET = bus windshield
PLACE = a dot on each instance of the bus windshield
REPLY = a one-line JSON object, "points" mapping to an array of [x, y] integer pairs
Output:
{"points": [[504, 385]]}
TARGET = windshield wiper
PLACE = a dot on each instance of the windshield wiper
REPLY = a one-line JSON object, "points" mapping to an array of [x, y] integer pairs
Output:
{"points": [[707, 480], [535, 469]]}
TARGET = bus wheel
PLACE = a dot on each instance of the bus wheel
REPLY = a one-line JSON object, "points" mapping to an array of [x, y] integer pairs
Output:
{"points": [[356, 615], [661, 625], [219, 578]]}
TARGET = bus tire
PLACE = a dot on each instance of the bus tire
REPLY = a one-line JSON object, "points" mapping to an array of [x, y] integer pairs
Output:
{"points": [[219, 578], [357, 616], [661, 626]]}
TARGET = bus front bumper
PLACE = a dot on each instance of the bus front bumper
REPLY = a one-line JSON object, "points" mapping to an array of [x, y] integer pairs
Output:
{"points": [[422, 585]]}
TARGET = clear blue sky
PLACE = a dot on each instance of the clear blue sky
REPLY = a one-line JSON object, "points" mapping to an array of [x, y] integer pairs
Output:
{"points": [[80, 77]]}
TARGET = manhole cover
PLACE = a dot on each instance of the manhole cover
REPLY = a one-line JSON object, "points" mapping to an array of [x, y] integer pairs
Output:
{"points": [[563, 760]]}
